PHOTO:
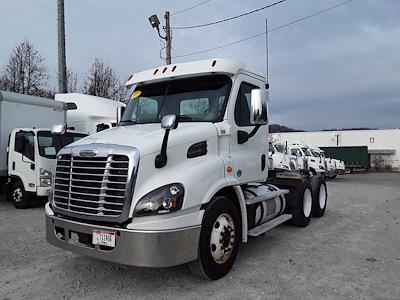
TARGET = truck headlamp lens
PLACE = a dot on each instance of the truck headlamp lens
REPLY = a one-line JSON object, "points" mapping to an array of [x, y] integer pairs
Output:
{"points": [[45, 177], [44, 173], [166, 199]]}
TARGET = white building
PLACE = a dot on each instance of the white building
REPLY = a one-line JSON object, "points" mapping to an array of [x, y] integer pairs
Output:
{"points": [[383, 144]]}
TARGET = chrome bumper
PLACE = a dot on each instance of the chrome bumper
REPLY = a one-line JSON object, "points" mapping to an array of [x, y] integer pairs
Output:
{"points": [[136, 248]]}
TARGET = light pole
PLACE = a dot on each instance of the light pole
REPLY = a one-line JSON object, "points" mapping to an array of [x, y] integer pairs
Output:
{"points": [[155, 23]]}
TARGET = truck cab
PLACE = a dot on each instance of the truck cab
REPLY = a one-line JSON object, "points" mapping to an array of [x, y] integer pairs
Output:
{"points": [[182, 178], [31, 155], [315, 164]]}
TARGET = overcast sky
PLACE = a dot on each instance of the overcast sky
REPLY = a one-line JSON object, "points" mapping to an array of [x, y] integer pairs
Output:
{"points": [[338, 69]]}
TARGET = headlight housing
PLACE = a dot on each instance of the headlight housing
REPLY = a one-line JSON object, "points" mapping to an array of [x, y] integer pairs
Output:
{"points": [[45, 177], [166, 199]]}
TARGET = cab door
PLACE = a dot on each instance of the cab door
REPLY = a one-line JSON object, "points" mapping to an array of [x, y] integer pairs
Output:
{"points": [[22, 159], [251, 157]]}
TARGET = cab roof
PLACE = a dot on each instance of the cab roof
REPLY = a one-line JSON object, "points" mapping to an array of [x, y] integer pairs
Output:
{"points": [[190, 69]]}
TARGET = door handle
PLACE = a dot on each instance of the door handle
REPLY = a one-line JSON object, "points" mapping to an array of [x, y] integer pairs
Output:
{"points": [[13, 166], [32, 166]]}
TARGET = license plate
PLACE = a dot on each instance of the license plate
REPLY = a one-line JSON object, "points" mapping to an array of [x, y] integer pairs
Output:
{"points": [[104, 238]]}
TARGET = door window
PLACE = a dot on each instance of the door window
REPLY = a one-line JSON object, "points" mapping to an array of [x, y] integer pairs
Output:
{"points": [[243, 104], [28, 140]]}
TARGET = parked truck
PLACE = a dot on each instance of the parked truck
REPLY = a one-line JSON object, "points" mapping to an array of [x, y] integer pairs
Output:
{"points": [[182, 178], [27, 149], [93, 114], [351, 157]]}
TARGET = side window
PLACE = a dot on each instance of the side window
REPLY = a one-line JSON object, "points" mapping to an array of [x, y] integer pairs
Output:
{"points": [[243, 102], [27, 139], [194, 106]]}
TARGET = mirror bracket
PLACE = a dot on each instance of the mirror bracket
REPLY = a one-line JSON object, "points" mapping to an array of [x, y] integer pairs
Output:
{"points": [[168, 122], [243, 136]]}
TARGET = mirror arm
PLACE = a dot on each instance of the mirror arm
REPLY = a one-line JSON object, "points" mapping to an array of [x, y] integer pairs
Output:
{"points": [[161, 159], [243, 136]]}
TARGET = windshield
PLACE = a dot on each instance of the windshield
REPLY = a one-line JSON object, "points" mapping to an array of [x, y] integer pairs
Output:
{"points": [[280, 148], [316, 154], [50, 144], [200, 99], [306, 152]]}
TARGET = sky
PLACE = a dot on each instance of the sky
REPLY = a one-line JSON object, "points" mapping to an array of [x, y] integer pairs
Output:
{"points": [[340, 69]]}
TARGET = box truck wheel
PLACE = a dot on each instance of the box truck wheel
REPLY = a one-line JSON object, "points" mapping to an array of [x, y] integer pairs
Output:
{"points": [[320, 196], [302, 209], [19, 198], [220, 237]]}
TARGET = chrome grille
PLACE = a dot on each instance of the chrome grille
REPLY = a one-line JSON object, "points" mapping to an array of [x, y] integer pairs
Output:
{"points": [[94, 186]]}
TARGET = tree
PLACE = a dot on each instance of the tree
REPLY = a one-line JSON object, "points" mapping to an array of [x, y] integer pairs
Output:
{"points": [[25, 71], [72, 82], [103, 81]]}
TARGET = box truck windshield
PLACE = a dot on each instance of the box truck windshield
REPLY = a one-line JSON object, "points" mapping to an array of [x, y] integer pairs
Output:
{"points": [[50, 144], [197, 99]]}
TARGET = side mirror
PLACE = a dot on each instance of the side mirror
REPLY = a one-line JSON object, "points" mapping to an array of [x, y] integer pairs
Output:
{"points": [[169, 122], [259, 107], [20, 144], [120, 112], [58, 129], [298, 153]]}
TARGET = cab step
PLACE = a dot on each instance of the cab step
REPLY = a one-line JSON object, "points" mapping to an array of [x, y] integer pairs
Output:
{"points": [[269, 195], [256, 231]]}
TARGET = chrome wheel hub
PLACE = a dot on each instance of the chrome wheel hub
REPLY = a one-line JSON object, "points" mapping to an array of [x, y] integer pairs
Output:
{"points": [[17, 195], [222, 238]]}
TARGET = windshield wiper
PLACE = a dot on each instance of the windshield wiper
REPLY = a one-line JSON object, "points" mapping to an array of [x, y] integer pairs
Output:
{"points": [[128, 122]]}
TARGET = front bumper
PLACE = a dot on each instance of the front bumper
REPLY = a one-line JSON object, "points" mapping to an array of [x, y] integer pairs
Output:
{"points": [[132, 247]]}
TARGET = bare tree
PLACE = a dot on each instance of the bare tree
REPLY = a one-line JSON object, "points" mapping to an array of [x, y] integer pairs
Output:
{"points": [[72, 82], [25, 71], [103, 81]]}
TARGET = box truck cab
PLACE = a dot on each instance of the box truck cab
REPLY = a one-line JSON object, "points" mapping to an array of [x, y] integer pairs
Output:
{"points": [[182, 178], [31, 155]]}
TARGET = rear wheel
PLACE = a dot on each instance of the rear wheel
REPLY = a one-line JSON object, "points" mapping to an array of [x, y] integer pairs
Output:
{"points": [[19, 197], [320, 197], [302, 209], [220, 237]]}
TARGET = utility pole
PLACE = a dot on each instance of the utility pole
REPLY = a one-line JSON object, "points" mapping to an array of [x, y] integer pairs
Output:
{"points": [[62, 69], [167, 38]]}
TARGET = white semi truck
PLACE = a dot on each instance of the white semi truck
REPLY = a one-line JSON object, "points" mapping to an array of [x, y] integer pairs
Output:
{"points": [[93, 114], [182, 178], [302, 150], [27, 148]]}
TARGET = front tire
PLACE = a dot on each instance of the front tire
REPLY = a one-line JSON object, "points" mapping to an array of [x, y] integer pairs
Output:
{"points": [[220, 238], [19, 197]]}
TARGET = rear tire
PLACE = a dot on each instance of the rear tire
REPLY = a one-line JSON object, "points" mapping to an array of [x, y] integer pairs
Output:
{"points": [[220, 238], [320, 197], [302, 209], [18, 195]]}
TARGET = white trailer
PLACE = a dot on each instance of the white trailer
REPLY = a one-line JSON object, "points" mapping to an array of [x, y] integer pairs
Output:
{"points": [[93, 114], [182, 178]]}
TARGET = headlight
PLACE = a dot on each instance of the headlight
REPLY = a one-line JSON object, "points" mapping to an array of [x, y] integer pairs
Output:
{"points": [[166, 199], [44, 173], [45, 178], [322, 167]]}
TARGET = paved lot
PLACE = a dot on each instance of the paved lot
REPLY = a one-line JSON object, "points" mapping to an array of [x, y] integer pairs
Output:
{"points": [[352, 252]]}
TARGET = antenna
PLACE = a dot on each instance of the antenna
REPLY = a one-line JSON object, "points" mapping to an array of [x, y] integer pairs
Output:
{"points": [[266, 53]]}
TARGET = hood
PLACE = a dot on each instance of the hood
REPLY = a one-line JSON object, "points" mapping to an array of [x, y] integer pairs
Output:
{"points": [[148, 137]]}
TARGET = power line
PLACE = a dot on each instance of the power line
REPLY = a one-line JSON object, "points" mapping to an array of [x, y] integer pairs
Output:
{"points": [[231, 18], [189, 8], [263, 33]]}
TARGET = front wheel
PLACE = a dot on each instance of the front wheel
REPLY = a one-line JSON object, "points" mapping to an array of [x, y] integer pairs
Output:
{"points": [[220, 237], [19, 197]]}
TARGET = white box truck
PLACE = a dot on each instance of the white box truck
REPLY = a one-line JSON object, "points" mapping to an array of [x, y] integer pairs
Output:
{"points": [[182, 178], [27, 148], [93, 114]]}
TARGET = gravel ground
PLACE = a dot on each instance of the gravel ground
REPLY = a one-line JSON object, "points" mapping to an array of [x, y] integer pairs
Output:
{"points": [[352, 252]]}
